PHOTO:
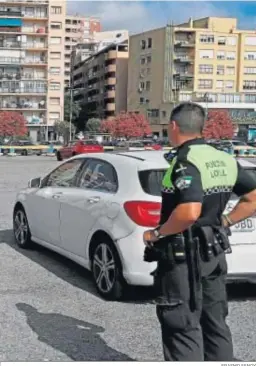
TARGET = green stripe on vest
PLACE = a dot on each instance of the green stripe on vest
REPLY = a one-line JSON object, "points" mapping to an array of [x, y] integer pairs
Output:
{"points": [[167, 183]]}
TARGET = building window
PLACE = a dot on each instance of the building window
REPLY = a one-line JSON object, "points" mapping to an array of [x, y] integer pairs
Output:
{"points": [[142, 61], [249, 70], [231, 41], [251, 55], [222, 41], [205, 69], [143, 44], [221, 55], [56, 10], [154, 113], [54, 117], [55, 70], [230, 70], [219, 84], [204, 84], [250, 41], [55, 40], [220, 70], [163, 114], [229, 84], [206, 38], [149, 42], [55, 101], [55, 55], [249, 85], [56, 25], [231, 55], [250, 98], [54, 86], [206, 54], [141, 100], [147, 85], [148, 59], [142, 85]]}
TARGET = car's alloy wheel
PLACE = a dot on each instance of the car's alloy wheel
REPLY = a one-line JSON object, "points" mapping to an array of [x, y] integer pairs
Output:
{"points": [[21, 229], [106, 271]]}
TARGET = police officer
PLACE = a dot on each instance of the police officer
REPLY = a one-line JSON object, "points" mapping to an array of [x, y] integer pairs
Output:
{"points": [[192, 302]]}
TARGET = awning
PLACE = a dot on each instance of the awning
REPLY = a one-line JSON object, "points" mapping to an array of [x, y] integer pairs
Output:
{"points": [[10, 22]]}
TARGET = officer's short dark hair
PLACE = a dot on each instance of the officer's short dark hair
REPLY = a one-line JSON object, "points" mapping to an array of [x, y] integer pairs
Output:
{"points": [[190, 117]]}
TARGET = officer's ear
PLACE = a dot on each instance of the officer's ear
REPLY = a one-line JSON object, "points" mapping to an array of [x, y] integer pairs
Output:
{"points": [[173, 125]]}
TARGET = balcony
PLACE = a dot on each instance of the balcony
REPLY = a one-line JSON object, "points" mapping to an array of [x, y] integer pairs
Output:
{"points": [[25, 2], [21, 76], [38, 16], [10, 60], [111, 55], [184, 44], [110, 94], [110, 68], [14, 90], [34, 62], [183, 58], [10, 13], [23, 107], [110, 107], [184, 74], [110, 81]]}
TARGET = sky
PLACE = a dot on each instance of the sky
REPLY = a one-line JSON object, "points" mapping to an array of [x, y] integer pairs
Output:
{"points": [[139, 16]]}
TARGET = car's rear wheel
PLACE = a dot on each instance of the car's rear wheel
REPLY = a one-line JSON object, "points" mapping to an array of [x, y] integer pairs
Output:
{"points": [[21, 228], [59, 157], [106, 269]]}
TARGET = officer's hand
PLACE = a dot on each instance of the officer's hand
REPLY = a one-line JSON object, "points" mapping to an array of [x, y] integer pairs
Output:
{"points": [[149, 237]]}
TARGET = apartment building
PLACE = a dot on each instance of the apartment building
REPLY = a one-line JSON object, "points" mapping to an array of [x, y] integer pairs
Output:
{"points": [[101, 81], [78, 30], [32, 55], [207, 60], [88, 47]]}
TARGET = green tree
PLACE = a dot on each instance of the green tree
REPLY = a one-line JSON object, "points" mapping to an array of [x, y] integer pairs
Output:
{"points": [[93, 125], [86, 112], [62, 128], [67, 108]]}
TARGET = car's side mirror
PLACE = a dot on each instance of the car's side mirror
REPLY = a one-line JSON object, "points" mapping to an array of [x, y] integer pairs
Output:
{"points": [[34, 183]]}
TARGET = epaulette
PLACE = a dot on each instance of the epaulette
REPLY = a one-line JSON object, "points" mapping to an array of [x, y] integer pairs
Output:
{"points": [[170, 155]]}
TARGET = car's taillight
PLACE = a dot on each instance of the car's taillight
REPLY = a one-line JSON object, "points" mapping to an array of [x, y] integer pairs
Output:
{"points": [[143, 213]]}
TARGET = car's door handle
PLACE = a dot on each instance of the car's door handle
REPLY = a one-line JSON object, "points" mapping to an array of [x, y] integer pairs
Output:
{"points": [[93, 199], [57, 195]]}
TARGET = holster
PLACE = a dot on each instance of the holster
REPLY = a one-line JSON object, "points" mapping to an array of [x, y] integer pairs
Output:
{"points": [[213, 241]]}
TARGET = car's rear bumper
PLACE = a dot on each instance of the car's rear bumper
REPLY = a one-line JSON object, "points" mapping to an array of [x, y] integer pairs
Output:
{"points": [[241, 263], [131, 250]]}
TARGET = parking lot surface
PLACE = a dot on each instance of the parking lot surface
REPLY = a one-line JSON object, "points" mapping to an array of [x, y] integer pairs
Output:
{"points": [[49, 310]]}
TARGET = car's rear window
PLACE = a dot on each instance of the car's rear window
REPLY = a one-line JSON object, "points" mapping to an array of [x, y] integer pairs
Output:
{"points": [[90, 142], [151, 181]]}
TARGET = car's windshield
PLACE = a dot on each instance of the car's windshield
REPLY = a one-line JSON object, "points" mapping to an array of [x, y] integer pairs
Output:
{"points": [[151, 180], [239, 143]]}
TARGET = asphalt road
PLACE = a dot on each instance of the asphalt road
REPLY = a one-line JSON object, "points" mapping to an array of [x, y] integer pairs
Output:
{"points": [[49, 310]]}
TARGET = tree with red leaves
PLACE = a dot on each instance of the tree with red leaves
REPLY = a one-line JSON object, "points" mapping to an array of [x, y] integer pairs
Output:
{"points": [[12, 124], [218, 125], [127, 124]]}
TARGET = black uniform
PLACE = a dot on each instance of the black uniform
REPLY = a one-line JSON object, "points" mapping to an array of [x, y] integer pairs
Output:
{"points": [[198, 173]]}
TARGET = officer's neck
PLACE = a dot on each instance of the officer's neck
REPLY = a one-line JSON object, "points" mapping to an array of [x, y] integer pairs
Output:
{"points": [[182, 139]]}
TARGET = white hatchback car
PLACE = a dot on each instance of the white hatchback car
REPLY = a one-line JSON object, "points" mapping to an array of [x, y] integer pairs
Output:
{"points": [[94, 209]]}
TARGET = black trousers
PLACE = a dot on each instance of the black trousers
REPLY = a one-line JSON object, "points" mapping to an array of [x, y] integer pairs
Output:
{"points": [[202, 335]]}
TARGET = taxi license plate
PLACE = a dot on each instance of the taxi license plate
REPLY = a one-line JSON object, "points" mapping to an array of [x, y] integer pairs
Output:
{"points": [[244, 226]]}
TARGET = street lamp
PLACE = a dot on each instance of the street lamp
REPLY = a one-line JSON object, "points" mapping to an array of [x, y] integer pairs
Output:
{"points": [[71, 90]]}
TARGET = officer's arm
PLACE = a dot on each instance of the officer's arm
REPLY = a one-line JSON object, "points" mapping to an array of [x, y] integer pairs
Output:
{"points": [[188, 188], [245, 188]]}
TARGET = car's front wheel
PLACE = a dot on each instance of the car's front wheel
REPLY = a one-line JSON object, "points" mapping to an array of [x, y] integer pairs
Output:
{"points": [[21, 228], [59, 157], [106, 269]]}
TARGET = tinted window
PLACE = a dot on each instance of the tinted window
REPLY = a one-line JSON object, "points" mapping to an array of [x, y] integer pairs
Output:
{"points": [[64, 175], [252, 172], [238, 143], [90, 142], [151, 181], [98, 175]]}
